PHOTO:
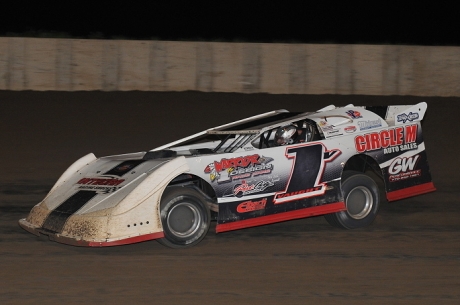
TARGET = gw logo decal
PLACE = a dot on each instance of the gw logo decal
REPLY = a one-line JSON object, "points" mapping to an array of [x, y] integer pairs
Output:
{"points": [[403, 168]]}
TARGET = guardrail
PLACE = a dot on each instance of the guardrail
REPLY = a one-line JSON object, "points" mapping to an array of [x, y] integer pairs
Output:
{"points": [[112, 65]]}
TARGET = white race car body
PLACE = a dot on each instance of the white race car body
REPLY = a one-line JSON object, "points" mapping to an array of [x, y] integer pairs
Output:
{"points": [[240, 174]]}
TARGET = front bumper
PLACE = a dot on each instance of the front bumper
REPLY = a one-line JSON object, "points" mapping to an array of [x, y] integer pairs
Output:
{"points": [[75, 241]]}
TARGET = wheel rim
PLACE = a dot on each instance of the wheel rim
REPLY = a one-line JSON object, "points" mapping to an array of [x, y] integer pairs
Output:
{"points": [[359, 202], [184, 220]]}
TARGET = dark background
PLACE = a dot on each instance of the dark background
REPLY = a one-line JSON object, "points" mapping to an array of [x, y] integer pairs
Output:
{"points": [[376, 22]]}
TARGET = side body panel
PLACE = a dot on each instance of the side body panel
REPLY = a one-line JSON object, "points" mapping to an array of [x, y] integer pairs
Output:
{"points": [[257, 187]]}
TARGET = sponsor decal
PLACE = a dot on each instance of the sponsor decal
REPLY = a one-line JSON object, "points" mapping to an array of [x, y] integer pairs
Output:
{"points": [[363, 125], [227, 170], [334, 132], [305, 178], [350, 129], [102, 185], [403, 168], [390, 140], [101, 181], [251, 206], [309, 191], [354, 114], [243, 189], [407, 117], [325, 126]]}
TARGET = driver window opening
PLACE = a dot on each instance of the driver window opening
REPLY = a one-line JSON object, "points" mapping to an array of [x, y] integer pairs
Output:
{"points": [[294, 133]]}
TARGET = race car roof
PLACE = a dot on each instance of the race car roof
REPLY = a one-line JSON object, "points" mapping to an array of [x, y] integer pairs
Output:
{"points": [[256, 125], [249, 125]]}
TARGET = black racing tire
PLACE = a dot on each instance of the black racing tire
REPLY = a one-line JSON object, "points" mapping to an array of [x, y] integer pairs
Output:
{"points": [[185, 217], [362, 200]]}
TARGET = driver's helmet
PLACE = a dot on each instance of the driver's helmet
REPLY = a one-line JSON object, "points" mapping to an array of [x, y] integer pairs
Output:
{"points": [[283, 135]]}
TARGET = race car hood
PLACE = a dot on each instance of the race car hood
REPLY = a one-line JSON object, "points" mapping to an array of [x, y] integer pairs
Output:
{"points": [[107, 201], [101, 184]]}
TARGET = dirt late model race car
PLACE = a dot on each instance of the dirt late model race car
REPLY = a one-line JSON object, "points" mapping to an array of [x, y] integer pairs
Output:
{"points": [[268, 168]]}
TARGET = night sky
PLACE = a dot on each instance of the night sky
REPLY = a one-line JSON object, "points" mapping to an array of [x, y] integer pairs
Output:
{"points": [[378, 22]]}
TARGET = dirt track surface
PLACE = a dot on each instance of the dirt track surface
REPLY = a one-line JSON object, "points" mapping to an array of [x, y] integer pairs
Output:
{"points": [[409, 255]]}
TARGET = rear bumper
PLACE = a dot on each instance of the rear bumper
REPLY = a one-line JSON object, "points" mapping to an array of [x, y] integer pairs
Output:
{"points": [[75, 241]]}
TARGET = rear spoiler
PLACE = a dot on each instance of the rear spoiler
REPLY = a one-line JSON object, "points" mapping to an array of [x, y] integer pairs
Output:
{"points": [[402, 114]]}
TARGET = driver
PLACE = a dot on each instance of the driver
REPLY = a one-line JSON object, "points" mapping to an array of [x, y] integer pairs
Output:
{"points": [[283, 135]]}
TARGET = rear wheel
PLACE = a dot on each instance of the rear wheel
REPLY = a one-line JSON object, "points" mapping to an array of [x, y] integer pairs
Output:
{"points": [[362, 200], [185, 217]]}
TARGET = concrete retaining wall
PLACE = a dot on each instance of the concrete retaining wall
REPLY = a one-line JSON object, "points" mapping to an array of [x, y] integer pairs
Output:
{"points": [[109, 65]]}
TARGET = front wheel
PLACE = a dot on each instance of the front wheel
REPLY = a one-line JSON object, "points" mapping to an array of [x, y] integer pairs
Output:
{"points": [[362, 200], [185, 217]]}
